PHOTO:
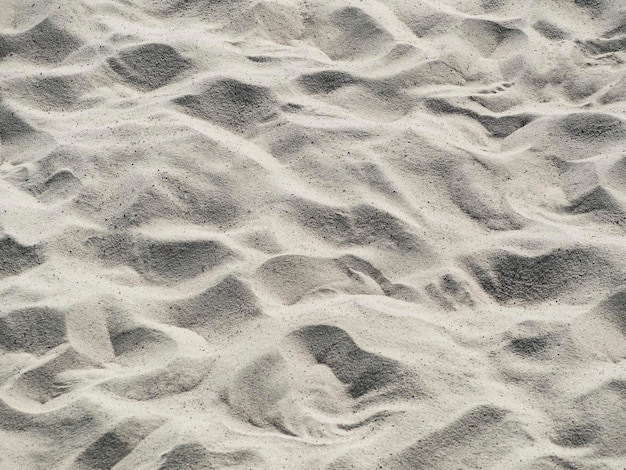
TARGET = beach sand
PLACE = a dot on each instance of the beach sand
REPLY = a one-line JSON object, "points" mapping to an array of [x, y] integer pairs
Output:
{"points": [[353, 234]]}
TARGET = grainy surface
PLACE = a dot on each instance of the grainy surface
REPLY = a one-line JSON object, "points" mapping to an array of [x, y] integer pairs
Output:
{"points": [[351, 234]]}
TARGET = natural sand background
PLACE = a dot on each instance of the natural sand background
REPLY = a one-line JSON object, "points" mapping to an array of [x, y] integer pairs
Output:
{"points": [[349, 234]]}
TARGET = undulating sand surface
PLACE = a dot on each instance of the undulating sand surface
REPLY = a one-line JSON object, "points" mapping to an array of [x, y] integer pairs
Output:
{"points": [[347, 234]]}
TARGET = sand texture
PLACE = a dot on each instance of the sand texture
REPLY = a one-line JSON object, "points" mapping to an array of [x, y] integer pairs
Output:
{"points": [[347, 234]]}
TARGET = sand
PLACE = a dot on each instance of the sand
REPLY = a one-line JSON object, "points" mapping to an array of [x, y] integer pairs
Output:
{"points": [[353, 234]]}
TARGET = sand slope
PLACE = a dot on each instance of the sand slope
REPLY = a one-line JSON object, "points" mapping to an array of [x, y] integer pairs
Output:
{"points": [[354, 234]]}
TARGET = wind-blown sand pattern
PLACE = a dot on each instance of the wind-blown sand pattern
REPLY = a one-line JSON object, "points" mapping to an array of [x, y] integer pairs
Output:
{"points": [[348, 234]]}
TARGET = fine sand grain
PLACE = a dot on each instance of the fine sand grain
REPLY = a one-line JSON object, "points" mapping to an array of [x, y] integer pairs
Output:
{"points": [[305, 234]]}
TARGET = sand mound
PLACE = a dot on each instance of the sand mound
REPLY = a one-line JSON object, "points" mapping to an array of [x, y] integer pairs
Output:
{"points": [[292, 278], [574, 271], [195, 456], [115, 444], [33, 330], [161, 260], [228, 303], [500, 126], [340, 378], [484, 427], [149, 66], [362, 372], [236, 105], [348, 33], [45, 43], [17, 258]]}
